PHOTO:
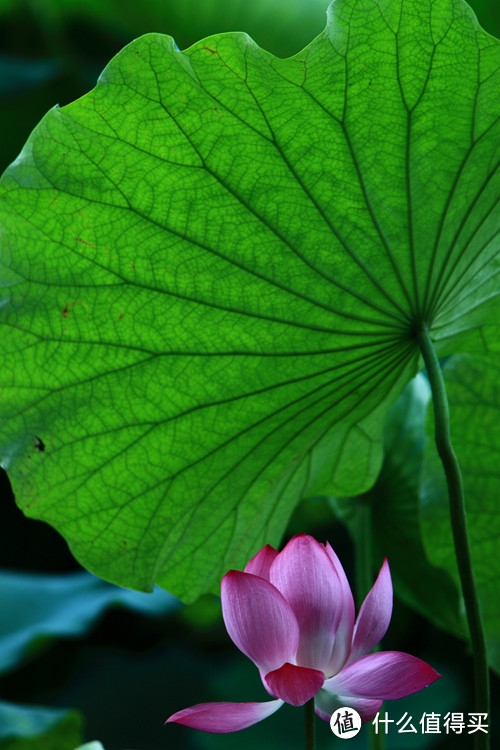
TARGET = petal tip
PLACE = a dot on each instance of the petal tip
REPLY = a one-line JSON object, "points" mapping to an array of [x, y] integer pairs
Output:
{"points": [[222, 718]]}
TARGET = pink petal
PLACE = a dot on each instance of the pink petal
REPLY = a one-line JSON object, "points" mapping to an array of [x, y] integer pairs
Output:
{"points": [[259, 620], [343, 636], [326, 703], [374, 616], [385, 675], [261, 563], [295, 685], [306, 577], [224, 717]]}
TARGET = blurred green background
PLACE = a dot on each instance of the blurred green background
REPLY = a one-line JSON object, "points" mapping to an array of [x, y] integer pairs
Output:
{"points": [[120, 662]]}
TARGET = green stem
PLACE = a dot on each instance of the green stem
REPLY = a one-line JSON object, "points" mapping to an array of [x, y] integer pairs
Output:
{"points": [[364, 578], [309, 718], [459, 529]]}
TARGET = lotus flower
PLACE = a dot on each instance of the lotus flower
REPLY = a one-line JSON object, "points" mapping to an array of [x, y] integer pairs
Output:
{"points": [[292, 614]]}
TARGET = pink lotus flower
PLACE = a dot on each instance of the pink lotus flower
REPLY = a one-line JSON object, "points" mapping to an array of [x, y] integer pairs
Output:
{"points": [[292, 614]]}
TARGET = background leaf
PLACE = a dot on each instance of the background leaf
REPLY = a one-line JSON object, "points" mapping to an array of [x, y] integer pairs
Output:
{"points": [[37, 728], [394, 510], [473, 386], [214, 264], [37, 607], [409, 502]]}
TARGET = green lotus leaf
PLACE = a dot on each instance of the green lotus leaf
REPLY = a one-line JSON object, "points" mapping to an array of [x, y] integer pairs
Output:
{"points": [[214, 266]]}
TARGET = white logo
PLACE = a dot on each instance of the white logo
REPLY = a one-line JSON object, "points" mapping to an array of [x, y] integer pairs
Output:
{"points": [[345, 722]]}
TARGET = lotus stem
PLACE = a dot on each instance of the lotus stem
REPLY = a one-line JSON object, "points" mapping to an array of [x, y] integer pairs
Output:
{"points": [[459, 528], [309, 720]]}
